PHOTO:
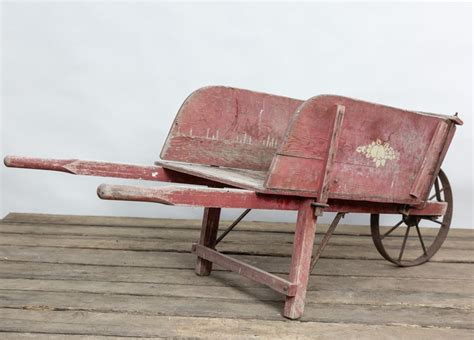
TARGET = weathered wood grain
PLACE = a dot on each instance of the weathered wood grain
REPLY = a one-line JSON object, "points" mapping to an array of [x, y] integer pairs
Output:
{"points": [[370, 294], [340, 250], [348, 284], [112, 221], [248, 199], [198, 196], [241, 178], [274, 282], [107, 277], [280, 265], [145, 237], [70, 325], [302, 153], [207, 237], [105, 169], [227, 308], [230, 127], [301, 260], [420, 187]]}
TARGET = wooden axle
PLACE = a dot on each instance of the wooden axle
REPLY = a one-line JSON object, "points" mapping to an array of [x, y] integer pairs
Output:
{"points": [[238, 198]]}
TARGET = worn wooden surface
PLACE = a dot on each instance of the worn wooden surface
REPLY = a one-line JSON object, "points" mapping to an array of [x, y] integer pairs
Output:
{"points": [[246, 199], [359, 172], [229, 127], [389, 154], [105, 169], [104, 277]]}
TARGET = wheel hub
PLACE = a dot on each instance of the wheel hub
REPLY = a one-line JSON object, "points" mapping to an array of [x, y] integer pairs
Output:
{"points": [[411, 221]]}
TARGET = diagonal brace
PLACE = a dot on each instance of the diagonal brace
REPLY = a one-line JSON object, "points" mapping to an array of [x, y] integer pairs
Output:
{"points": [[229, 228], [325, 240]]}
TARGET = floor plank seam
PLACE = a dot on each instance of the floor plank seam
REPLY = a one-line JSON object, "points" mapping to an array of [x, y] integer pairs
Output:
{"points": [[314, 276], [231, 253], [143, 313], [332, 246], [275, 301], [218, 269], [291, 233], [82, 334]]}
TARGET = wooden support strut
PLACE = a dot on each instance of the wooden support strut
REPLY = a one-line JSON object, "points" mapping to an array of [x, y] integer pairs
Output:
{"points": [[273, 281], [246, 199], [305, 231], [210, 225], [301, 259]]}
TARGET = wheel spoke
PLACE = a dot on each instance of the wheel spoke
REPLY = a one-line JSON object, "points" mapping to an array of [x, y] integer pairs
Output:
{"points": [[391, 229], [421, 238], [404, 244], [438, 193], [435, 221]]}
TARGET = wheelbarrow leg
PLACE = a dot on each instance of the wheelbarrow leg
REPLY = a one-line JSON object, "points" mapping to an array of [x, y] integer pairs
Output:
{"points": [[210, 224], [301, 259]]}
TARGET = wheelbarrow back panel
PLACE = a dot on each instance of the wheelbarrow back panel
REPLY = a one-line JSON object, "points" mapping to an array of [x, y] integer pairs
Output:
{"points": [[229, 127]]}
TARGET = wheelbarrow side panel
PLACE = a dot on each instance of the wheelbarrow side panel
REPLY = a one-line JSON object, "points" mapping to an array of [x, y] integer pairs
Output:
{"points": [[381, 151], [229, 127]]}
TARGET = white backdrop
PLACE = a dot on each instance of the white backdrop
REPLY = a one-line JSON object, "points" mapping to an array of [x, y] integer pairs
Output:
{"points": [[103, 81]]}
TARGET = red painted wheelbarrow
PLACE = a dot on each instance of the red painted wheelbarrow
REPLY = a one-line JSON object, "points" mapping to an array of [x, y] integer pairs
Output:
{"points": [[235, 148]]}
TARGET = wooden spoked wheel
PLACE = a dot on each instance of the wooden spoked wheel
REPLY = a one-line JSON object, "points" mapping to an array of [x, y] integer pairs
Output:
{"points": [[408, 243]]}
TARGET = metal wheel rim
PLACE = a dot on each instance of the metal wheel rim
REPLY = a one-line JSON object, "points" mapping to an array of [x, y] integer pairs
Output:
{"points": [[430, 251]]}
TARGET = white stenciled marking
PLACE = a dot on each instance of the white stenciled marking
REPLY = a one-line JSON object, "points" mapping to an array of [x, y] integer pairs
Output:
{"points": [[379, 152]]}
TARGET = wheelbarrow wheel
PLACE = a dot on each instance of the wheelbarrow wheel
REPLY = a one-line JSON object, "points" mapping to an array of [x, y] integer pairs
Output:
{"points": [[407, 243]]}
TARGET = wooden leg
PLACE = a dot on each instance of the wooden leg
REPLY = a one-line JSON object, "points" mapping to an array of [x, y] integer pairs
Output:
{"points": [[301, 260], [210, 224]]}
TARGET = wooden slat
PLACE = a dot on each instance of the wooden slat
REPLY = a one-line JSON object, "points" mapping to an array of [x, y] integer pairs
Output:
{"points": [[70, 324], [276, 265], [350, 285], [369, 294], [241, 178], [335, 249], [67, 235], [114, 221], [174, 306]]}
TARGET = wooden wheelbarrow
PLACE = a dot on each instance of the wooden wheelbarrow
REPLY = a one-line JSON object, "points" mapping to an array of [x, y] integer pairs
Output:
{"points": [[235, 148]]}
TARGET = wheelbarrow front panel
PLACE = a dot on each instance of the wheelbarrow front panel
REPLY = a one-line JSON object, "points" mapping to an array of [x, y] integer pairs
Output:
{"points": [[384, 154], [229, 127]]}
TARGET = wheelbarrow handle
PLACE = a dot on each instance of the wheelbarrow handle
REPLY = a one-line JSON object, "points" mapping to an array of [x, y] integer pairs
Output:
{"points": [[38, 163], [106, 169]]}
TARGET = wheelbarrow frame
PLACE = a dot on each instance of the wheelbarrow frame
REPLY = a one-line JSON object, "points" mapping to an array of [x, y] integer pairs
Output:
{"points": [[214, 193]]}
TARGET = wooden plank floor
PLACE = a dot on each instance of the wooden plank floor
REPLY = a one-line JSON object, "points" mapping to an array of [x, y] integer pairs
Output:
{"points": [[107, 277]]}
